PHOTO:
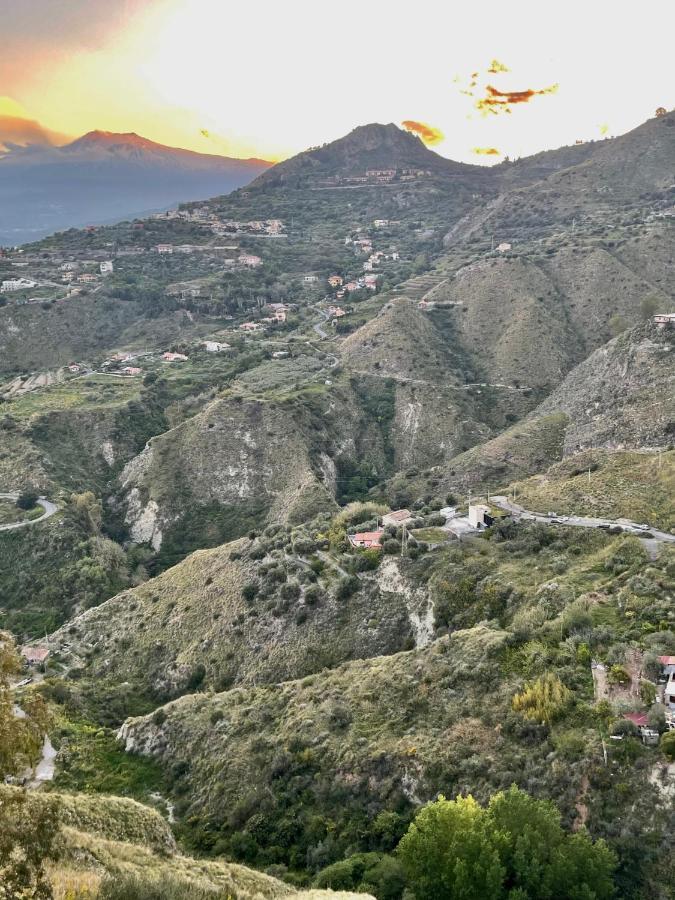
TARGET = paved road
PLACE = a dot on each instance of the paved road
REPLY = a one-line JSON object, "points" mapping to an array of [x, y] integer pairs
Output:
{"points": [[49, 510], [319, 327], [582, 521]]}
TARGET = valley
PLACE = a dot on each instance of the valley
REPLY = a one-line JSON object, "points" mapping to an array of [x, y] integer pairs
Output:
{"points": [[328, 496]]}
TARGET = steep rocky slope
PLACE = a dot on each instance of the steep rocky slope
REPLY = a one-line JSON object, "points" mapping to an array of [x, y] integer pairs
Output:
{"points": [[530, 317], [197, 626], [244, 461], [622, 396]]}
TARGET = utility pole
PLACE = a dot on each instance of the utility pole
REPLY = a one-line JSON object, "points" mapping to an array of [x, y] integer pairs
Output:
{"points": [[492, 246], [589, 474], [404, 541]]}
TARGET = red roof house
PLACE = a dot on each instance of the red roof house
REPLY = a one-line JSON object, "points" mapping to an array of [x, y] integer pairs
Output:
{"points": [[366, 540]]}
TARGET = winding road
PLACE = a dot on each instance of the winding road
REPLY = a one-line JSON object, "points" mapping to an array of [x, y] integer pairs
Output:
{"points": [[583, 521], [49, 510]]}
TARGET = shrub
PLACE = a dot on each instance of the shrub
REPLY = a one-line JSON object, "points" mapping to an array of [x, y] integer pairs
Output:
{"points": [[346, 587], [290, 591], [667, 745], [618, 675], [312, 595], [27, 500], [543, 700], [127, 886], [249, 591]]}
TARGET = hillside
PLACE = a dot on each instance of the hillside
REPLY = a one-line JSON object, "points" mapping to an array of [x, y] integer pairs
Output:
{"points": [[248, 460], [619, 398], [244, 613], [109, 838], [621, 179], [223, 402]]}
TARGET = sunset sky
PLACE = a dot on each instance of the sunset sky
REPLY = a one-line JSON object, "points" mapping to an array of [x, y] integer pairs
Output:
{"points": [[271, 78]]}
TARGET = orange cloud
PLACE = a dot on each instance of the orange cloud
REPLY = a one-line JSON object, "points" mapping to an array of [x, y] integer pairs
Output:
{"points": [[427, 133], [486, 151], [496, 101]]}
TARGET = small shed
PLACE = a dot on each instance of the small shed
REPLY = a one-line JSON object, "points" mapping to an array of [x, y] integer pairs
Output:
{"points": [[35, 656]]}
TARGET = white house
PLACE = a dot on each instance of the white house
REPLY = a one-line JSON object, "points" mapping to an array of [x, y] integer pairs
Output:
{"points": [[668, 663], [310, 279], [215, 346], [664, 320], [503, 247], [164, 248], [106, 267], [16, 284]]}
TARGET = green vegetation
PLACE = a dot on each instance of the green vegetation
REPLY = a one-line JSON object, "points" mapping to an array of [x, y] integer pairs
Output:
{"points": [[543, 700], [513, 848]]}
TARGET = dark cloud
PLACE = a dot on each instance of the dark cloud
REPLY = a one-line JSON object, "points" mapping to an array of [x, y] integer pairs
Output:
{"points": [[496, 101]]}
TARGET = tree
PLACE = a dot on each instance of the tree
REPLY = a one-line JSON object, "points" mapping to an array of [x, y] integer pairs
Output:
{"points": [[649, 305], [27, 500], [667, 744], [20, 738], [515, 849], [28, 828], [543, 700], [27, 825], [539, 858], [447, 853], [617, 324]]}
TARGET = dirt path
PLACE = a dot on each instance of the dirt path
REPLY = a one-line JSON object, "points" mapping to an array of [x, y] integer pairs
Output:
{"points": [[580, 805]]}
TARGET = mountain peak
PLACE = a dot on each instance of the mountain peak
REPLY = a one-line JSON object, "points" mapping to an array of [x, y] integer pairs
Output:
{"points": [[366, 148], [99, 138]]}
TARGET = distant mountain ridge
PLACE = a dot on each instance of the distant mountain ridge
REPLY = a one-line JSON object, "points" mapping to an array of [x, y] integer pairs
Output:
{"points": [[103, 176]]}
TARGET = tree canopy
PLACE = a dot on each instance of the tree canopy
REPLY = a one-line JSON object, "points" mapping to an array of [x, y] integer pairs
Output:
{"points": [[515, 848]]}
